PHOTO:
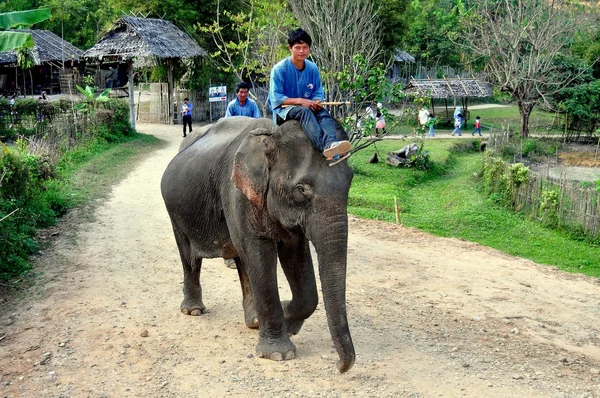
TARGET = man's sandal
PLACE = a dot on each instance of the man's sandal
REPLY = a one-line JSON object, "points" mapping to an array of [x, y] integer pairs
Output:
{"points": [[337, 148]]}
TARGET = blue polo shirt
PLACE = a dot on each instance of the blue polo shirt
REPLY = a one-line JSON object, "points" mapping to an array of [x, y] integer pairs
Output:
{"points": [[289, 82], [234, 108]]}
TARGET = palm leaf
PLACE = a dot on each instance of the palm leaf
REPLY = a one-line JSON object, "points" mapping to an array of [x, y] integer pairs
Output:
{"points": [[18, 18], [11, 40]]}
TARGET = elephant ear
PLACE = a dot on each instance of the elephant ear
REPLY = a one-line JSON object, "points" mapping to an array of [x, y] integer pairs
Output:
{"points": [[251, 166]]}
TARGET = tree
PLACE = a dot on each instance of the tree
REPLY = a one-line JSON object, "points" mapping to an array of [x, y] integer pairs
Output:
{"points": [[521, 41], [11, 40], [429, 26], [259, 41], [339, 29]]}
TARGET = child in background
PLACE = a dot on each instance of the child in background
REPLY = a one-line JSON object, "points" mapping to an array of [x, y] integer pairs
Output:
{"points": [[477, 126], [380, 120], [457, 125], [431, 122]]}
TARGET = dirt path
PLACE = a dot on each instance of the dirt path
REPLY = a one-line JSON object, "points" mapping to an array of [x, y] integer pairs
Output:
{"points": [[430, 317]]}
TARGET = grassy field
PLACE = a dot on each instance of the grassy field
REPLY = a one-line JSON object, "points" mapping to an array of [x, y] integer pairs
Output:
{"points": [[447, 201]]}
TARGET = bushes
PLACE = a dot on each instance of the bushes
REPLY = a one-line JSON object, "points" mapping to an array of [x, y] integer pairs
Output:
{"points": [[33, 186]]}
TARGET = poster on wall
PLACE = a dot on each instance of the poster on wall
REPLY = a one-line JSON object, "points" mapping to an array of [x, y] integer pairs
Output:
{"points": [[217, 93]]}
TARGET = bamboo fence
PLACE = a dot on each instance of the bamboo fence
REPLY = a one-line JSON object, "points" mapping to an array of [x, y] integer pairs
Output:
{"points": [[577, 204]]}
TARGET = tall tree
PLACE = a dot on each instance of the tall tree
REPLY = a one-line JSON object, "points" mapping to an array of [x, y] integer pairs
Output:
{"points": [[339, 30], [259, 41], [429, 26], [521, 41]]}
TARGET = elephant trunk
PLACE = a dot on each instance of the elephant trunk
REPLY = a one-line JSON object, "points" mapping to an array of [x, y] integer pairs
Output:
{"points": [[331, 244]]}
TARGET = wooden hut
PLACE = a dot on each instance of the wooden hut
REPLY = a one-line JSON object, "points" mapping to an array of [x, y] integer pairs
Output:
{"points": [[401, 66], [54, 60], [145, 41], [458, 89]]}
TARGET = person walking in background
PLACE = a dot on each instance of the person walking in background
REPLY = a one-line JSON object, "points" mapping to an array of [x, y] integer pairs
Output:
{"points": [[379, 120], [186, 113], [242, 105], [477, 126], [296, 93], [423, 118], [431, 122], [457, 125]]}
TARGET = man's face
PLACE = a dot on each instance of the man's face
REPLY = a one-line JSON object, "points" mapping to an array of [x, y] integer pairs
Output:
{"points": [[299, 51], [242, 95]]}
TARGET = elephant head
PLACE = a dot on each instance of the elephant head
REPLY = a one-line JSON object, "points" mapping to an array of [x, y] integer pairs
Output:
{"points": [[292, 189]]}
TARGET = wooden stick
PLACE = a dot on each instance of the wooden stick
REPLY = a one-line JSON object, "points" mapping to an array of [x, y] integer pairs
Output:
{"points": [[397, 211], [9, 214]]}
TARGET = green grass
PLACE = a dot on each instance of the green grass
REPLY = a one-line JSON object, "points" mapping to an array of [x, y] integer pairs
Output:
{"points": [[447, 201], [88, 172], [540, 122]]}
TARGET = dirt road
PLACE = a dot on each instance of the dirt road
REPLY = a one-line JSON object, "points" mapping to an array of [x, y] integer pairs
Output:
{"points": [[430, 317]]}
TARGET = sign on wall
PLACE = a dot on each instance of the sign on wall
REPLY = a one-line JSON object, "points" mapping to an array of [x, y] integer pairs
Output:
{"points": [[217, 93]]}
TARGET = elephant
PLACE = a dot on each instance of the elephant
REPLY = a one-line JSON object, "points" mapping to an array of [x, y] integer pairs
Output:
{"points": [[255, 192]]}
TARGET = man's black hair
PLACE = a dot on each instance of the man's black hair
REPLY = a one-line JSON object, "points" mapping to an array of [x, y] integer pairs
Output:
{"points": [[299, 36], [241, 85], [186, 99]]}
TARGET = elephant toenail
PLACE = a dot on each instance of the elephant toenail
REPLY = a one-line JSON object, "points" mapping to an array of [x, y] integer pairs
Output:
{"points": [[260, 354], [290, 355], [255, 321], [185, 311], [276, 356]]}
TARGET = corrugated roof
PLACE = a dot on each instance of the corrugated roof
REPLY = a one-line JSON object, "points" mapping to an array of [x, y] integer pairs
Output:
{"points": [[48, 47], [403, 56], [146, 38], [449, 88]]}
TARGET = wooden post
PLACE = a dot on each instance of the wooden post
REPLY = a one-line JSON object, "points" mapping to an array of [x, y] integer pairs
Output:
{"points": [[397, 211], [170, 67], [131, 96]]}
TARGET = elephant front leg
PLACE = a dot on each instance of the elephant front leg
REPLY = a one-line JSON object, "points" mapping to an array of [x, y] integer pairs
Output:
{"points": [[297, 265]]}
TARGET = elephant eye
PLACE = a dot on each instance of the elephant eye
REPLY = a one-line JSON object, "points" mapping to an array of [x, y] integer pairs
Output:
{"points": [[301, 194]]}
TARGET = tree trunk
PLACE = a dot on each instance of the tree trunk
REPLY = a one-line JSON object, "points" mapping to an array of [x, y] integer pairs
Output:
{"points": [[525, 109], [31, 79]]}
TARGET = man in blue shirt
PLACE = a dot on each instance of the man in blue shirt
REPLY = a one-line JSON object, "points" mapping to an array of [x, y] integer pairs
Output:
{"points": [[186, 113], [242, 105], [296, 92]]}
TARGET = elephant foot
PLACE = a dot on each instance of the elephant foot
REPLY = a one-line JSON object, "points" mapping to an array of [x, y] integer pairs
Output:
{"points": [[292, 325], [276, 351], [250, 315], [193, 309]]}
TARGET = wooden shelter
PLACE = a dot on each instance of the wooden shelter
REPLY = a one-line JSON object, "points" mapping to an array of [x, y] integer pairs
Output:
{"points": [[143, 41], [50, 54], [400, 69], [457, 88]]}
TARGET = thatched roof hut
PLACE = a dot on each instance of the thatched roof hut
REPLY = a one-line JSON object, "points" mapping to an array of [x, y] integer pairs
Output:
{"points": [[149, 38], [146, 40], [47, 47], [449, 88], [401, 68], [50, 54], [456, 88]]}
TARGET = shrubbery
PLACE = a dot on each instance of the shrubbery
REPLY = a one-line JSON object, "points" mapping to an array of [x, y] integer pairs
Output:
{"points": [[31, 185]]}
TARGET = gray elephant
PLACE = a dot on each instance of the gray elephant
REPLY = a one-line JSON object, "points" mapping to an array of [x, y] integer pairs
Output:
{"points": [[254, 192]]}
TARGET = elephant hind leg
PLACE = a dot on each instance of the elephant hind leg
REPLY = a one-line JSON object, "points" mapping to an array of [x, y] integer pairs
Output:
{"points": [[192, 264], [250, 315]]}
